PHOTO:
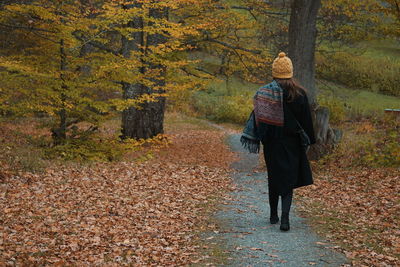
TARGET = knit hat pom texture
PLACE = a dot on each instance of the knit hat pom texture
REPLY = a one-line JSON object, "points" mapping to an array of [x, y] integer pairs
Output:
{"points": [[282, 67]]}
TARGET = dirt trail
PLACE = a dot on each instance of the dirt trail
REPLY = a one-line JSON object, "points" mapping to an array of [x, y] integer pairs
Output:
{"points": [[246, 233]]}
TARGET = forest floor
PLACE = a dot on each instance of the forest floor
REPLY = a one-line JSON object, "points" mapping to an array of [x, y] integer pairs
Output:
{"points": [[188, 205], [140, 213], [354, 204]]}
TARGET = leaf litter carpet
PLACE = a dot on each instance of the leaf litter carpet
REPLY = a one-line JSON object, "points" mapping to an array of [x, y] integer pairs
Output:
{"points": [[116, 214]]}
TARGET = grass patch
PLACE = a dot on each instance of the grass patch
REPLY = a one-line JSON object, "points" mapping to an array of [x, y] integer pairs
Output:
{"points": [[377, 49], [375, 70], [356, 103], [230, 103], [234, 104], [175, 120]]}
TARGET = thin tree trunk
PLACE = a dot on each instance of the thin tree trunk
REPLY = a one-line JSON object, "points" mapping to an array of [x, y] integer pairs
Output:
{"points": [[60, 134]]}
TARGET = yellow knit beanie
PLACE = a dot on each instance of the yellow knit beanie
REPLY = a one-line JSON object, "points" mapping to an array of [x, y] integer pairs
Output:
{"points": [[282, 67]]}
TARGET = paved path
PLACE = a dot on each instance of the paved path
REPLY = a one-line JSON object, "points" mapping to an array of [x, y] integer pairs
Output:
{"points": [[247, 233]]}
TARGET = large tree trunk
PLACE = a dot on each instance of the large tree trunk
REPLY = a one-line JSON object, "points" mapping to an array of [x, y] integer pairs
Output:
{"points": [[302, 40], [148, 121]]}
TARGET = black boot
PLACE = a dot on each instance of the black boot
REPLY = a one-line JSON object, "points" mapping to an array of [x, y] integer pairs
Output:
{"points": [[285, 226], [273, 205], [286, 203], [273, 218]]}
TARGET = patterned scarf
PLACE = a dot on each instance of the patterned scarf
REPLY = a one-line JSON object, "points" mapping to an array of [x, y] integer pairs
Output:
{"points": [[268, 110], [268, 104], [250, 139]]}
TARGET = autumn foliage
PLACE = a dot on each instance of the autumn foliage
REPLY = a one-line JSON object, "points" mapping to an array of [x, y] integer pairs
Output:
{"points": [[126, 213], [354, 201], [75, 191]]}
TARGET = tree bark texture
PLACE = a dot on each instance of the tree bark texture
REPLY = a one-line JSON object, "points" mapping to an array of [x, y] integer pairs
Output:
{"points": [[59, 133], [148, 121], [302, 39], [325, 135]]}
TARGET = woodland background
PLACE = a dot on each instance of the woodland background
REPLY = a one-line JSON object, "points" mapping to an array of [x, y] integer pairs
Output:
{"points": [[97, 96]]}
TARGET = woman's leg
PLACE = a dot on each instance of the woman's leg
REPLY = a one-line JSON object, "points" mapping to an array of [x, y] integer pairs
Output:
{"points": [[273, 204], [286, 204]]}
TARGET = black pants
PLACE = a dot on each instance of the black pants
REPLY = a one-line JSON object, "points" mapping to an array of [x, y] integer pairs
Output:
{"points": [[274, 199]]}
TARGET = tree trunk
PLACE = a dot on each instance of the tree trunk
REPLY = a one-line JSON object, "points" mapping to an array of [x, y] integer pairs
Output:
{"points": [[59, 134], [302, 40], [86, 49], [148, 121]]}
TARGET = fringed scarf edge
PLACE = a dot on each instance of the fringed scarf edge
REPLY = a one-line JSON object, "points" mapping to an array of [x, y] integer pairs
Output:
{"points": [[249, 143]]}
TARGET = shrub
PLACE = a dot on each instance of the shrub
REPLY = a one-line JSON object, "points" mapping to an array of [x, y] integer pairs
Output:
{"points": [[103, 150], [384, 149], [234, 109], [369, 143], [371, 74], [85, 150]]}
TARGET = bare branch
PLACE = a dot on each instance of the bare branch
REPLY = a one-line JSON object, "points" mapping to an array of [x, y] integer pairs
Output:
{"points": [[94, 43], [43, 37], [26, 28], [232, 46]]}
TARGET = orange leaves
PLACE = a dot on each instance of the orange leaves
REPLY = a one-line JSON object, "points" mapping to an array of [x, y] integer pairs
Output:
{"points": [[358, 210], [114, 213], [125, 213], [357, 206], [365, 127]]}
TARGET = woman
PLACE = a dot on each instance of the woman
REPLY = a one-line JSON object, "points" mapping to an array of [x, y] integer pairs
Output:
{"points": [[280, 109]]}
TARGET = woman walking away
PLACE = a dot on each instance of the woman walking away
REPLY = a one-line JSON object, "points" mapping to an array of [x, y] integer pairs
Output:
{"points": [[281, 111]]}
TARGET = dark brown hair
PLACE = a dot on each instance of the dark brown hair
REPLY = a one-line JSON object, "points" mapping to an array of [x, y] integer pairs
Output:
{"points": [[292, 86]]}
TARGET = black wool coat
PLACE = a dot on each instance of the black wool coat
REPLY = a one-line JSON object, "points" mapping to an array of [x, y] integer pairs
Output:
{"points": [[287, 163]]}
